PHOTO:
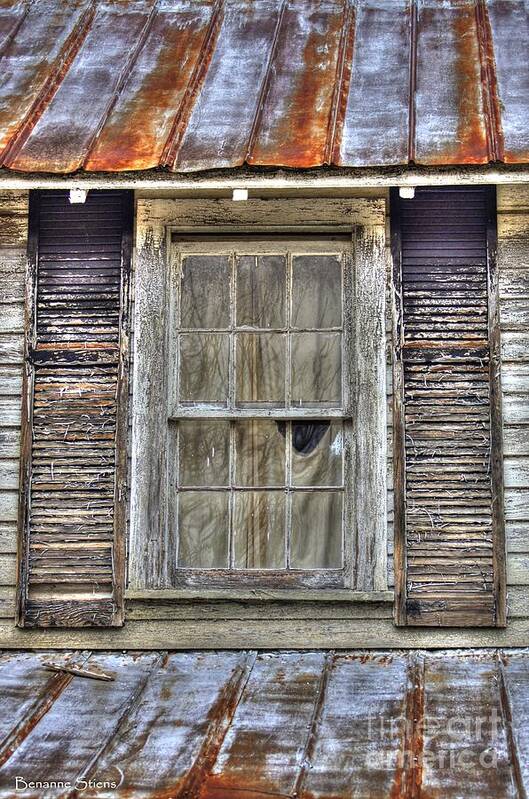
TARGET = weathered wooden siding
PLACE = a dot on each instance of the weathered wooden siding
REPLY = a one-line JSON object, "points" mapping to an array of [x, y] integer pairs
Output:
{"points": [[257, 619], [513, 259], [13, 242]]}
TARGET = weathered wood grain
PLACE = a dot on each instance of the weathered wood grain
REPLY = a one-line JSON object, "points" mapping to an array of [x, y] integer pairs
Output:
{"points": [[301, 213], [370, 435], [448, 463], [265, 634], [72, 515]]}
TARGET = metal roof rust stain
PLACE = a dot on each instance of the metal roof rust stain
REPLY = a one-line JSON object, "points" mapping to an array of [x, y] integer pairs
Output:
{"points": [[299, 115], [196, 81], [471, 131], [132, 137], [299, 138]]}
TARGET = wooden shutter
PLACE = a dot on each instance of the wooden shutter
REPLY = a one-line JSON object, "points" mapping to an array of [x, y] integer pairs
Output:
{"points": [[449, 539], [74, 426]]}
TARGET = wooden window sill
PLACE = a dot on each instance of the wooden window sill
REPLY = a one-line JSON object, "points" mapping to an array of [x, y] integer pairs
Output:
{"points": [[260, 595]]}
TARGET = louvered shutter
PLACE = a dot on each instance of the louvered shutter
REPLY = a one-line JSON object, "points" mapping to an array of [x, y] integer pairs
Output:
{"points": [[449, 540], [74, 427]]}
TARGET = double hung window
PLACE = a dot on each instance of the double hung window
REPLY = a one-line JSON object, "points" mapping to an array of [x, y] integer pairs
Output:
{"points": [[259, 408]]}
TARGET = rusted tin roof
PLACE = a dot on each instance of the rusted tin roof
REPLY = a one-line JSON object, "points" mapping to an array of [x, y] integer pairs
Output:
{"points": [[242, 725], [201, 84]]}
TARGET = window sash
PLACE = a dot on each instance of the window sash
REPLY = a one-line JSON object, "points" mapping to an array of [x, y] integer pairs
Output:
{"points": [[235, 247]]}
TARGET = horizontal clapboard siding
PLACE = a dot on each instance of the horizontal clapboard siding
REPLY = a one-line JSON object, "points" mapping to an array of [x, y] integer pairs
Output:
{"points": [[72, 570], [450, 558]]}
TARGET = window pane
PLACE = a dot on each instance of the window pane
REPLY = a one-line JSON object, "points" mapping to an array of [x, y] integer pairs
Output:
{"points": [[316, 536], [205, 291], [203, 529], [316, 291], [259, 529], [317, 453], [204, 367], [316, 369], [260, 369], [259, 453], [261, 290], [204, 453]]}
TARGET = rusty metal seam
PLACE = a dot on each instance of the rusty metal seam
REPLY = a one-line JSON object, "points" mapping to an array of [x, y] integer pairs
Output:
{"points": [[183, 113], [88, 770], [507, 714], [53, 690], [265, 86], [412, 109], [71, 48], [411, 756], [491, 102], [122, 80], [341, 84], [312, 737], [226, 707], [15, 29]]}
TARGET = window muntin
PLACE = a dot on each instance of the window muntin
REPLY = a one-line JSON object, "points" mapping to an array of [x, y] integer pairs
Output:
{"points": [[259, 405]]}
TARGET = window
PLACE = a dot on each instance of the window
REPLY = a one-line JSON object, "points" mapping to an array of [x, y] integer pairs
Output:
{"points": [[259, 407]]}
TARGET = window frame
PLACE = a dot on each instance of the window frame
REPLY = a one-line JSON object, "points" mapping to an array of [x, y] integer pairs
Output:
{"points": [[152, 537], [234, 245]]}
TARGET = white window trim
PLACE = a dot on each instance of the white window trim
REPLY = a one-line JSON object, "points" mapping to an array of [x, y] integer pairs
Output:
{"points": [[151, 562]]}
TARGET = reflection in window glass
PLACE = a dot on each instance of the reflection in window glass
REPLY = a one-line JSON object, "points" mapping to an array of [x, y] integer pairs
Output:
{"points": [[205, 292], [259, 453], [203, 529], [259, 530], [316, 369], [316, 536], [261, 283], [316, 291], [204, 368], [204, 453], [260, 369]]}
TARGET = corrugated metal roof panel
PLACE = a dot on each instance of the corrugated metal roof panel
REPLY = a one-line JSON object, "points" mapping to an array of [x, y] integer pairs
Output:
{"points": [[228, 725], [139, 84]]}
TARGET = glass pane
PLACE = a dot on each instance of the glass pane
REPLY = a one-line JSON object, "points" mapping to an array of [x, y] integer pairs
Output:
{"points": [[260, 368], [261, 290], [317, 453], [260, 453], [316, 291], [204, 367], [205, 291], [259, 530], [204, 453], [316, 536], [316, 369], [203, 529]]}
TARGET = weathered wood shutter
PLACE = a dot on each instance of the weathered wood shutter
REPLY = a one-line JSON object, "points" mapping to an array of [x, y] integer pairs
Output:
{"points": [[449, 539], [74, 426]]}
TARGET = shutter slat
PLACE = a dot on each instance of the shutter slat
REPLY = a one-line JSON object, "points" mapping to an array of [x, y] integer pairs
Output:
{"points": [[73, 536], [448, 535]]}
